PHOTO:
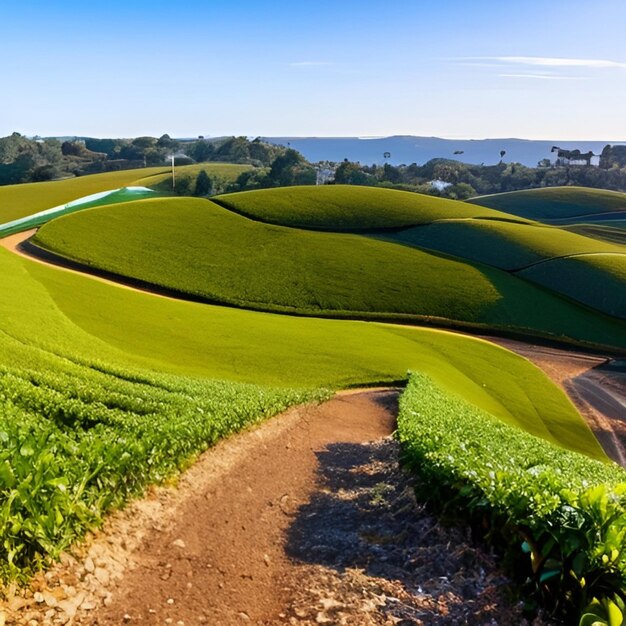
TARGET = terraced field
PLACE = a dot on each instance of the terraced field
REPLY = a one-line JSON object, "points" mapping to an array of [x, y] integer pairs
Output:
{"points": [[597, 280], [105, 390], [562, 205], [17, 201], [194, 247], [506, 245], [347, 208]]}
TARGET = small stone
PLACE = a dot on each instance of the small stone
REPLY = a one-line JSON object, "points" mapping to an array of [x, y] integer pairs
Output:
{"points": [[38, 597], [127, 618], [69, 608], [102, 576], [266, 559], [244, 616], [180, 623], [50, 599], [169, 620], [88, 605], [170, 600], [89, 565], [179, 543]]}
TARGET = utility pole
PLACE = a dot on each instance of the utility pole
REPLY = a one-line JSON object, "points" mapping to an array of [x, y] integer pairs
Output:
{"points": [[173, 175]]}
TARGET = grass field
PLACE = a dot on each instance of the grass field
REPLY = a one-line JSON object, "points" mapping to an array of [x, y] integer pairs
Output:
{"points": [[21, 200], [506, 245], [194, 247], [117, 196], [569, 204], [104, 390], [187, 174], [616, 233], [134, 330], [597, 280], [348, 208], [17, 201]]}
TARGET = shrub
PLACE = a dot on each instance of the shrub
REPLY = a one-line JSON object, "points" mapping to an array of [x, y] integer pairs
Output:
{"points": [[559, 516]]}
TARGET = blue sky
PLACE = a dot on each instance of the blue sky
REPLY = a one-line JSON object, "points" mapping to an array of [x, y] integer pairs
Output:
{"points": [[450, 68]]}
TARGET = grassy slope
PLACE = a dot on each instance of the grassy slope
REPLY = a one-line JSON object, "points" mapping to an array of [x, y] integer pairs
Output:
{"points": [[195, 246], [555, 202], [20, 200], [38, 219], [505, 245], [597, 280], [616, 233], [208, 341], [222, 171], [347, 208]]}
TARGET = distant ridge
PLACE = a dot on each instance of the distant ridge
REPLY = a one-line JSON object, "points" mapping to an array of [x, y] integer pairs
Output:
{"points": [[409, 149]]}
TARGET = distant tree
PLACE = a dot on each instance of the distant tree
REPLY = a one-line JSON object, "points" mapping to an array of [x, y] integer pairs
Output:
{"points": [[165, 141], [204, 184], [44, 172], [72, 148], [202, 151]]}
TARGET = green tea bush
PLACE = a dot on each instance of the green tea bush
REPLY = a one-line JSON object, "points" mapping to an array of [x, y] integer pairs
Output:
{"points": [[79, 438], [559, 516]]}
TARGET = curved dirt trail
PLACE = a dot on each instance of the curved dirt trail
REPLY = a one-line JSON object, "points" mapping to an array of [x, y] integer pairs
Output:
{"points": [[305, 519], [221, 556]]}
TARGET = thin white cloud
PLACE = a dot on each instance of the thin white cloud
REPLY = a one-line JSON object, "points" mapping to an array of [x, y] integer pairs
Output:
{"points": [[311, 64], [549, 61], [543, 76]]}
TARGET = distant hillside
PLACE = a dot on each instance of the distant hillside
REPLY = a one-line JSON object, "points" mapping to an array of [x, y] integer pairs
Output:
{"points": [[410, 149]]}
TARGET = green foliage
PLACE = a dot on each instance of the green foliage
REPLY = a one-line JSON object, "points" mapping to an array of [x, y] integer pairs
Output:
{"points": [[18, 201], [568, 205], [79, 438], [560, 516], [204, 185], [348, 208], [194, 247], [597, 280], [504, 244]]}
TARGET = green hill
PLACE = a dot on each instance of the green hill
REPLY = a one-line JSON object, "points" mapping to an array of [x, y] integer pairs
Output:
{"points": [[559, 204], [116, 196], [347, 208], [506, 245], [587, 270], [187, 174], [18, 201], [105, 390], [597, 280], [196, 247], [102, 328]]}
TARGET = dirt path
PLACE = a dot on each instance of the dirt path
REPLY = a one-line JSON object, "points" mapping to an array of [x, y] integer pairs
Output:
{"points": [[598, 392], [306, 519]]}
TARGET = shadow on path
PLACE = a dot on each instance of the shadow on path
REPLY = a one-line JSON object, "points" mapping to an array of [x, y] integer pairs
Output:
{"points": [[364, 516]]}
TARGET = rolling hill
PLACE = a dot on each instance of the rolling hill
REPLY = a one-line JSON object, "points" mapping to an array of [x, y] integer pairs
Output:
{"points": [[346, 208], [560, 205], [194, 247]]}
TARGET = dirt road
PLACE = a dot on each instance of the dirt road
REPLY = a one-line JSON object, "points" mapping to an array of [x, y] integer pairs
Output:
{"points": [[306, 519]]}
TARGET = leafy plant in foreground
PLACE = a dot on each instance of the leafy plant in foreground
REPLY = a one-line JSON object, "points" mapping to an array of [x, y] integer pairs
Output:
{"points": [[558, 516]]}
